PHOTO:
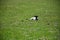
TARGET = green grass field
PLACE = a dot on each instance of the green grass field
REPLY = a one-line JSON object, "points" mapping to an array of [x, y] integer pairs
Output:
{"points": [[14, 26]]}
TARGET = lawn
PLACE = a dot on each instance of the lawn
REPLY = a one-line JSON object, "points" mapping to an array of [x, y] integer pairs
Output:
{"points": [[15, 23]]}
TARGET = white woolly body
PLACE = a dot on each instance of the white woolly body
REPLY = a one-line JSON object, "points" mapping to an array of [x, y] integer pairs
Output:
{"points": [[33, 18]]}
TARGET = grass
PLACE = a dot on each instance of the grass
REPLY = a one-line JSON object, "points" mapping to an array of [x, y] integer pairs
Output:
{"points": [[14, 26]]}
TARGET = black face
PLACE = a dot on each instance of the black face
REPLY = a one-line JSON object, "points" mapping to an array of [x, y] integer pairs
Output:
{"points": [[36, 17]]}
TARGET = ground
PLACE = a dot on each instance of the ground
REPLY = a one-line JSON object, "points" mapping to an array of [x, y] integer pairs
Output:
{"points": [[15, 23]]}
